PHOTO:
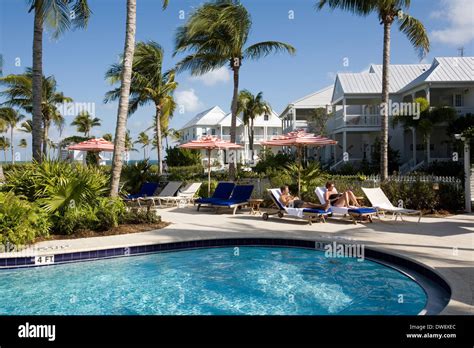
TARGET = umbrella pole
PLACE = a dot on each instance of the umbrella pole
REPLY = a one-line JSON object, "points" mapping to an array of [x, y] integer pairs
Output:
{"points": [[208, 172]]}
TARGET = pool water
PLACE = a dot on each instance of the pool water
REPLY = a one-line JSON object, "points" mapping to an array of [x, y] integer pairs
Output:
{"points": [[218, 281]]}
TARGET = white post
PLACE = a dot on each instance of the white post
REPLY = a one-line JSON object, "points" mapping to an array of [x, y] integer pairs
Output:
{"points": [[294, 118], [344, 142], [467, 175]]}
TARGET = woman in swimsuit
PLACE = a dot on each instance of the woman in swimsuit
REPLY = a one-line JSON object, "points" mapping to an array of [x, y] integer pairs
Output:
{"points": [[294, 202], [337, 199]]}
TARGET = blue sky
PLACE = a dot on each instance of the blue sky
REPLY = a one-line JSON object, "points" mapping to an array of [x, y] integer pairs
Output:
{"points": [[323, 39]]}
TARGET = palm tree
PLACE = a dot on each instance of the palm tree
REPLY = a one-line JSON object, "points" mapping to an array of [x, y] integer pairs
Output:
{"points": [[388, 11], [251, 106], [23, 144], [3, 128], [108, 137], [26, 126], [216, 35], [19, 93], [84, 123], [4, 146], [58, 16], [143, 139], [148, 85], [170, 133], [11, 118]]}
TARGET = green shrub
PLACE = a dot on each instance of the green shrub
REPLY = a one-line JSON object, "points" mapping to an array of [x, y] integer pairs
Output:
{"points": [[178, 157], [186, 172], [140, 217], [21, 221], [272, 161], [133, 176]]}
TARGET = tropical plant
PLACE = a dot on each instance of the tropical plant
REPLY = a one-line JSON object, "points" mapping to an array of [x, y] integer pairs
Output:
{"points": [[148, 85], [26, 126], [178, 157], [133, 176], [84, 123], [11, 118], [388, 11], [171, 133], [108, 137], [23, 144], [318, 121], [21, 221], [4, 146], [215, 35], [58, 16], [19, 93], [129, 143], [125, 83], [3, 128], [424, 123], [145, 141], [251, 106]]}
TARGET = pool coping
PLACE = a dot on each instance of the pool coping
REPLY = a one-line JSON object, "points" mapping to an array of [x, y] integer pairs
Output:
{"points": [[434, 285]]}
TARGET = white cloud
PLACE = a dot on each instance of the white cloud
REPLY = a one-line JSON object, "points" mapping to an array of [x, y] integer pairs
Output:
{"points": [[459, 15], [214, 77], [188, 100]]}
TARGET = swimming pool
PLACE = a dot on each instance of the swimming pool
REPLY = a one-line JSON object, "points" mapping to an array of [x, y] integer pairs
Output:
{"points": [[215, 281]]}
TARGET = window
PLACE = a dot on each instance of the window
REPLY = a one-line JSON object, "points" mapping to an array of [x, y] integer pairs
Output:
{"points": [[458, 100], [266, 117], [213, 131], [204, 131]]}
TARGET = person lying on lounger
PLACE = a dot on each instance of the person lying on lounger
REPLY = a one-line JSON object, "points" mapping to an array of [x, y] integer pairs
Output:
{"points": [[295, 202], [336, 199]]}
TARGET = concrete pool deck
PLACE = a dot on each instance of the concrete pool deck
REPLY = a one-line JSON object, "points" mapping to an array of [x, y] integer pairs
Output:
{"points": [[446, 245]]}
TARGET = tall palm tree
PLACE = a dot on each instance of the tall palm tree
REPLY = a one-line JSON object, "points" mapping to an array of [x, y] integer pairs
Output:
{"points": [[4, 146], [3, 128], [143, 139], [84, 123], [251, 106], [171, 133], [23, 144], [11, 118], [19, 93], [148, 85], [388, 11], [215, 35], [58, 16]]}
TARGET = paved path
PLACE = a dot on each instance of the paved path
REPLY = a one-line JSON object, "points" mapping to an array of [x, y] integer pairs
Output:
{"points": [[444, 244]]}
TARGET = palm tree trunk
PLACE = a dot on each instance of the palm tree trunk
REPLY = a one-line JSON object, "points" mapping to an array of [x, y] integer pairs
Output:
{"points": [[122, 113], [251, 135], [45, 139], [385, 100], [37, 85], [12, 146], [158, 140], [428, 150], [2, 177], [235, 64]]}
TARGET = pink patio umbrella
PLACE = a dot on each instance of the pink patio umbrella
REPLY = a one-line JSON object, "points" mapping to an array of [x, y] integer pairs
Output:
{"points": [[299, 138], [209, 143], [93, 145]]}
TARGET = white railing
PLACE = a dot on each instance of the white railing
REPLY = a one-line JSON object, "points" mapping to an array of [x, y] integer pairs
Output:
{"points": [[358, 121], [417, 178], [238, 138]]}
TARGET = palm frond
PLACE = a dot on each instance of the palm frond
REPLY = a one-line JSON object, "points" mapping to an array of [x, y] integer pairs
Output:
{"points": [[416, 33], [264, 48]]}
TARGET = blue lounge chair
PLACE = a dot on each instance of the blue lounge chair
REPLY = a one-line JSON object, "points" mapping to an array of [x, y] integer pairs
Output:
{"points": [[240, 198], [147, 190], [223, 191], [302, 213]]}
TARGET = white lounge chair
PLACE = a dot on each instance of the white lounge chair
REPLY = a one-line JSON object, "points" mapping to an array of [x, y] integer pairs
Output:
{"points": [[302, 213], [379, 200], [169, 190], [184, 195], [355, 213]]}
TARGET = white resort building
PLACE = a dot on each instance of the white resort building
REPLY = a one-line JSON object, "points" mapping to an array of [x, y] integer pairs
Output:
{"points": [[215, 121], [354, 104]]}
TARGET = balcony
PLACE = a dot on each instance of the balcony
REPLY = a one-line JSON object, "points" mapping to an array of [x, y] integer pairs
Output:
{"points": [[357, 121], [300, 124], [238, 138]]}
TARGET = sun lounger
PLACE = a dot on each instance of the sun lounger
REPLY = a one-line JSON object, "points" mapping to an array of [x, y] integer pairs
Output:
{"points": [[185, 195], [147, 189], [169, 190], [302, 213], [222, 191], [356, 213], [239, 198], [380, 201]]}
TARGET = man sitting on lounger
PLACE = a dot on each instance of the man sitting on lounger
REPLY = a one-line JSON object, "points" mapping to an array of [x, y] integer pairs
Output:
{"points": [[345, 199], [294, 202]]}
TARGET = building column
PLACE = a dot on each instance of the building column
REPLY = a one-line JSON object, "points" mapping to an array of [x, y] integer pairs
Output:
{"points": [[344, 142], [294, 118], [427, 92], [344, 109]]}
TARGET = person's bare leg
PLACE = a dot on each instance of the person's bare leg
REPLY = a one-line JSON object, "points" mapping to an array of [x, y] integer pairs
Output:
{"points": [[341, 202], [353, 198]]}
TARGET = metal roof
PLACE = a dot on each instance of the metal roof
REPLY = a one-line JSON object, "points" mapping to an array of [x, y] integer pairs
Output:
{"points": [[208, 117]]}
